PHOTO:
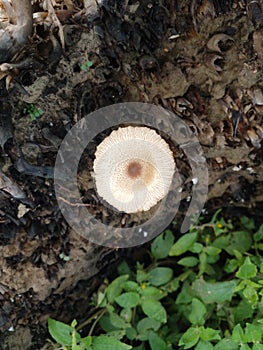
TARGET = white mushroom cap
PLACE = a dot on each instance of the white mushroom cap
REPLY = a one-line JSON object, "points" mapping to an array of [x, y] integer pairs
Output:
{"points": [[133, 169]]}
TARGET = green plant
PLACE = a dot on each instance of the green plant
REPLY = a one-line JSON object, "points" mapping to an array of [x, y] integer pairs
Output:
{"points": [[33, 111], [203, 291], [69, 338], [86, 65]]}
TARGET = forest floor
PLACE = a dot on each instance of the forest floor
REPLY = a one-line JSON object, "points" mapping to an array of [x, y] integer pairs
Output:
{"points": [[201, 60]]}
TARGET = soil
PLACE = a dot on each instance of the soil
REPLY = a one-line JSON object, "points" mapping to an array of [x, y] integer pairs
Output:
{"points": [[201, 60]]}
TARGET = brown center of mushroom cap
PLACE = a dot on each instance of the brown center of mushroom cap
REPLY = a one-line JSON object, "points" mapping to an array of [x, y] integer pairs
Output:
{"points": [[134, 170]]}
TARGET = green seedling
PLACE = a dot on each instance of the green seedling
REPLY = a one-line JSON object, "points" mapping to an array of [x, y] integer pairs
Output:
{"points": [[86, 65], [33, 111]]}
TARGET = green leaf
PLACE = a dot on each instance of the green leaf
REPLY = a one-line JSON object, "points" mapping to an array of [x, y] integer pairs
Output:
{"points": [[189, 338], [156, 342], [214, 292], [257, 347], [253, 333], [104, 342], [240, 241], [196, 248], [147, 324], [210, 260], [162, 244], [112, 322], [248, 223], [238, 255], [101, 299], [203, 262], [244, 347], [117, 321], [86, 65], [183, 244], [123, 268], [189, 261], [198, 310], [131, 333], [208, 334], [226, 344], [154, 310], [117, 334], [258, 236], [141, 276], [126, 314], [222, 242], [60, 331], [251, 295], [160, 276], [247, 270], [115, 287], [128, 300], [242, 311], [140, 347], [231, 265], [172, 286], [106, 323], [185, 296], [212, 251], [215, 215], [219, 227], [74, 323], [130, 286], [87, 341], [204, 345], [238, 334], [152, 292]]}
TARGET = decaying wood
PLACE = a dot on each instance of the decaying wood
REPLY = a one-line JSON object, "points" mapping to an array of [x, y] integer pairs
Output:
{"points": [[15, 34]]}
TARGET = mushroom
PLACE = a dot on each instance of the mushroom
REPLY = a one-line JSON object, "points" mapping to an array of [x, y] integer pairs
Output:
{"points": [[133, 169]]}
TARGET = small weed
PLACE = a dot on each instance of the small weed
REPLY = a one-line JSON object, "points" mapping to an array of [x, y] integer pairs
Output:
{"points": [[201, 291], [33, 111], [86, 65]]}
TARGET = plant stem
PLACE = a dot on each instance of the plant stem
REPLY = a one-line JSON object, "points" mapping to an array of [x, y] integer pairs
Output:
{"points": [[97, 315], [96, 321]]}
